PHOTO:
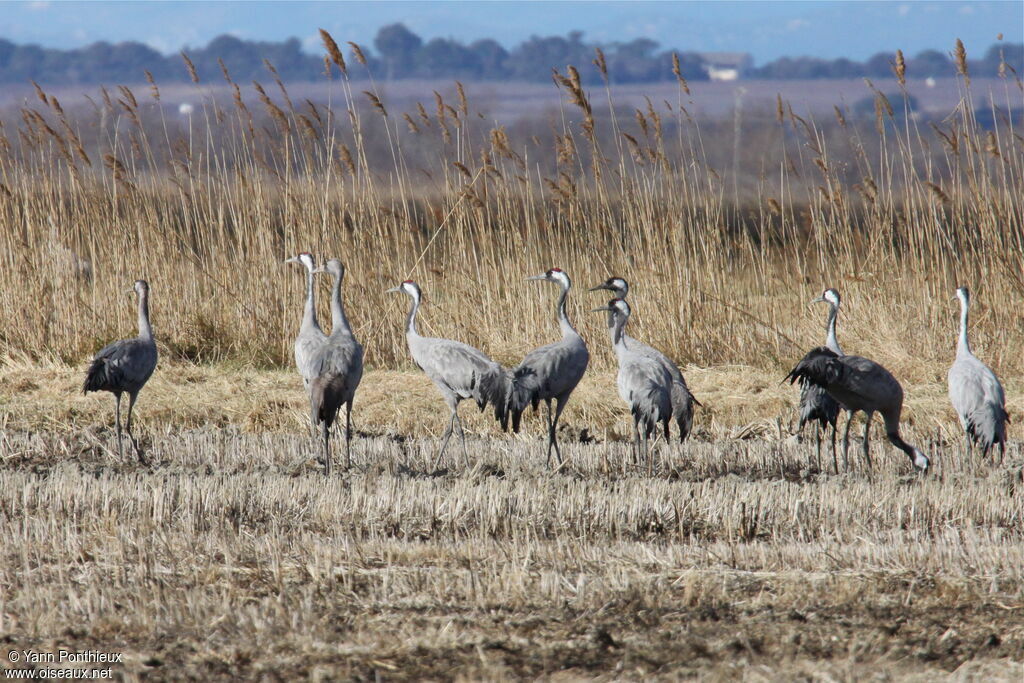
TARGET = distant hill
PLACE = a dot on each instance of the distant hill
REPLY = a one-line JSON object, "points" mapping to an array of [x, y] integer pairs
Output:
{"points": [[398, 53]]}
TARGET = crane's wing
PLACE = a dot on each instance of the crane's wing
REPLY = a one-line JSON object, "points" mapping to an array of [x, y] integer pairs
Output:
{"points": [[122, 365]]}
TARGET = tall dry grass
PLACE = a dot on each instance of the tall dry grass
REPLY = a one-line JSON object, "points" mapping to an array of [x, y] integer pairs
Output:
{"points": [[723, 250]]}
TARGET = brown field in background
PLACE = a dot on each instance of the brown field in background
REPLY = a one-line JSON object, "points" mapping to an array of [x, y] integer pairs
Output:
{"points": [[230, 553]]}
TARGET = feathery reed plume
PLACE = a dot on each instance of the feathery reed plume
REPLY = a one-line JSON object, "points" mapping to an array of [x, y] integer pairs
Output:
{"points": [[346, 157], [899, 67], [190, 67], [960, 58], [773, 206], [333, 51], [462, 169], [39, 93], [679, 74], [154, 91], [937, 192], [413, 128], [463, 102], [424, 116], [358, 53], [377, 104], [601, 63]]}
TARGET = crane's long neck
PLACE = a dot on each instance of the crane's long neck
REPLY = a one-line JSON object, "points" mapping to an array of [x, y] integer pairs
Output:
{"points": [[963, 347], [309, 312], [563, 319], [831, 342], [410, 323], [339, 321], [145, 330], [618, 327]]}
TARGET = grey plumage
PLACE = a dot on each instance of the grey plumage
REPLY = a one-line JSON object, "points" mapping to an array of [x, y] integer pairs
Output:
{"points": [[125, 366], [643, 382], [336, 369], [550, 372], [816, 405], [683, 399], [457, 370], [311, 338], [975, 392], [859, 384]]}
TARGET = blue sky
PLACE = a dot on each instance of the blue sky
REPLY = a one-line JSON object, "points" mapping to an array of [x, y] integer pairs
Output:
{"points": [[855, 29]]}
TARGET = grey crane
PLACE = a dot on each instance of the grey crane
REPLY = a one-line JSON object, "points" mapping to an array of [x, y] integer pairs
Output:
{"points": [[815, 403], [125, 366], [976, 393], [310, 338], [457, 370], [550, 372], [683, 399], [644, 383], [336, 368], [859, 384]]}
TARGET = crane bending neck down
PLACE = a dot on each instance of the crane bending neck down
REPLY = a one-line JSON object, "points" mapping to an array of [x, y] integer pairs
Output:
{"points": [[963, 347]]}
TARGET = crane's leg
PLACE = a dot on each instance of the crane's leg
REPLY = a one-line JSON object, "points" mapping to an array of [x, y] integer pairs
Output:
{"points": [[551, 432], [846, 440], [1002, 450], [128, 427], [462, 437], [835, 461], [117, 418], [867, 450], [326, 431], [348, 434], [559, 407], [817, 444], [447, 435]]}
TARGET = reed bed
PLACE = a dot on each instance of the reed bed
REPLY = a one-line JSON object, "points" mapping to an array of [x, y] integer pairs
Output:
{"points": [[724, 245]]}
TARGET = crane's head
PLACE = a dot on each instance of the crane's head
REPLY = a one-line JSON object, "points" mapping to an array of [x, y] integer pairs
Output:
{"points": [[141, 287], [829, 296], [332, 266], [615, 285], [409, 287], [964, 295], [305, 258], [921, 461], [616, 306], [556, 275]]}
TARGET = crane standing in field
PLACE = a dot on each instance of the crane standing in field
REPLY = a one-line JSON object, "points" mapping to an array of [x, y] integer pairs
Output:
{"points": [[975, 392], [682, 399], [644, 383], [457, 370], [550, 372], [336, 369], [816, 405], [859, 384], [310, 338], [125, 366]]}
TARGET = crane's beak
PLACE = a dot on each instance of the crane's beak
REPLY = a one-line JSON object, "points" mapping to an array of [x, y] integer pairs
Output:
{"points": [[817, 300], [538, 277], [603, 308], [393, 290], [599, 288], [293, 259]]}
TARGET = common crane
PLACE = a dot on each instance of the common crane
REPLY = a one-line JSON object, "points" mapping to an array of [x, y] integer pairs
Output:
{"points": [[550, 372], [457, 370], [976, 393], [644, 383], [815, 403], [682, 399], [125, 366], [337, 368], [859, 384]]}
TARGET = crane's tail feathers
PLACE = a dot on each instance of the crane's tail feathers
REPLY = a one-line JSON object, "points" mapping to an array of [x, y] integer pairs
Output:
{"points": [[523, 391], [682, 409], [495, 388], [818, 367], [97, 377]]}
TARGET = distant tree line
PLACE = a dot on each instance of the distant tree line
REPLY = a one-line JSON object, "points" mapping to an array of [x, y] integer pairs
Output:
{"points": [[399, 53]]}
